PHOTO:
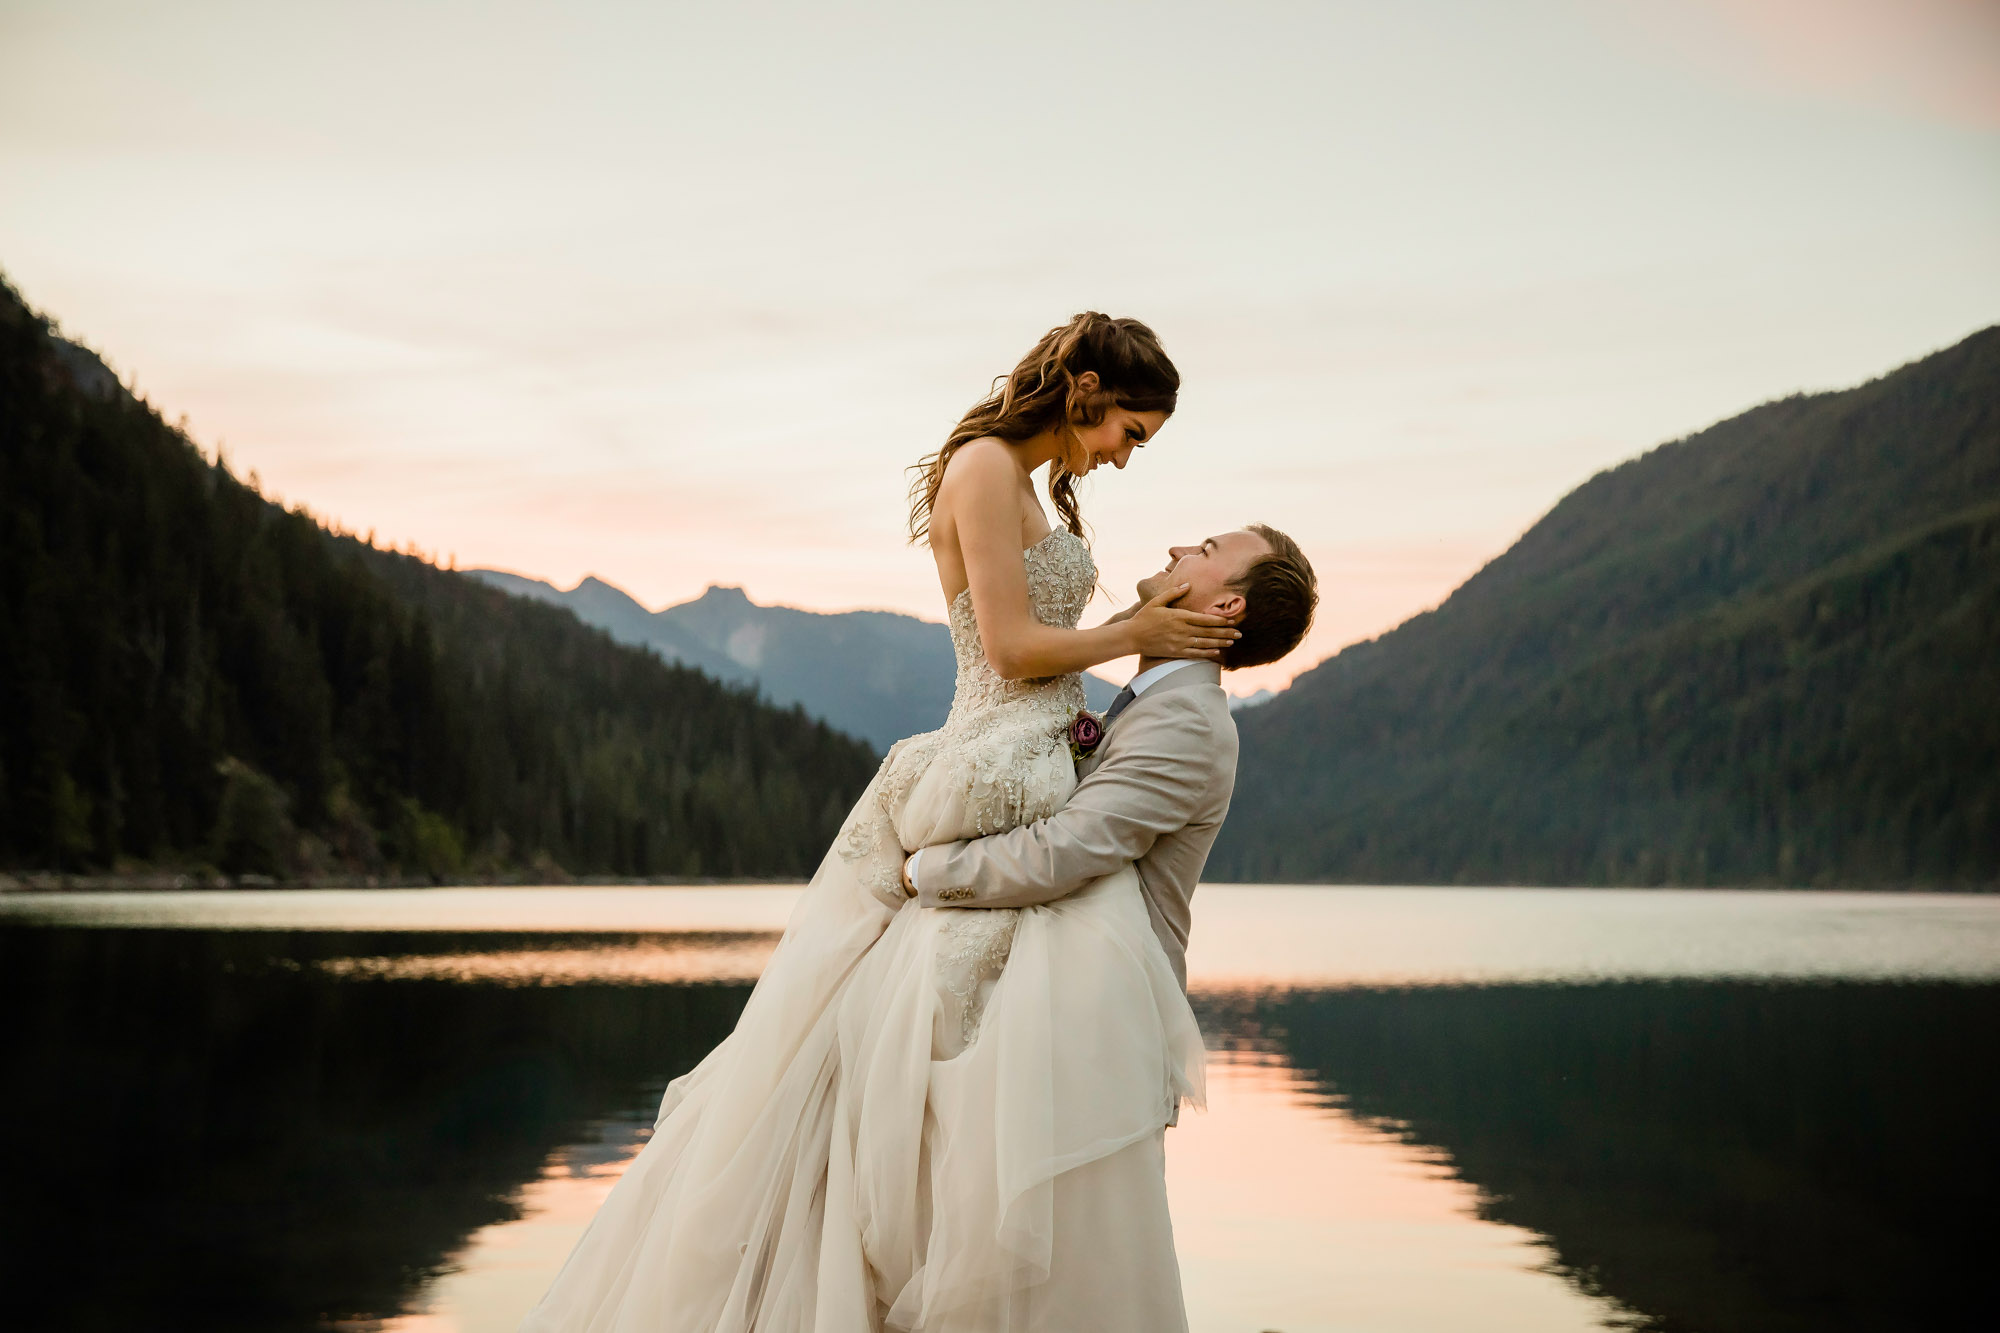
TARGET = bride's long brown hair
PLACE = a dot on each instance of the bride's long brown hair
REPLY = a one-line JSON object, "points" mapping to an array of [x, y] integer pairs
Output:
{"points": [[1132, 372]]}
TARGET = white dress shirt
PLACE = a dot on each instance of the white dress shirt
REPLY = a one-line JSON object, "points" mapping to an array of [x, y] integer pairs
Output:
{"points": [[1142, 682]]}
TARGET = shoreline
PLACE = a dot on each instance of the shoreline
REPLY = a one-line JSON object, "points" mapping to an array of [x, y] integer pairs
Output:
{"points": [[183, 881]]}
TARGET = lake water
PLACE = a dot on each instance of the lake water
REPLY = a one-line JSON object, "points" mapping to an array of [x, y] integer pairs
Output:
{"points": [[1431, 1110]]}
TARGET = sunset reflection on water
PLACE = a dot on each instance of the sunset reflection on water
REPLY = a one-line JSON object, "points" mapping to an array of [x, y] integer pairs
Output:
{"points": [[688, 958], [1289, 1214]]}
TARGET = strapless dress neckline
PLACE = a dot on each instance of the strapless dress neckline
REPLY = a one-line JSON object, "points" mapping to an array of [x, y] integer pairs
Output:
{"points": [[1027, 553]]}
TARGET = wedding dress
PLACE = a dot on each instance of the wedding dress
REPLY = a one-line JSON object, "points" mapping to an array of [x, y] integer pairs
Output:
{"points": [[945, 1120]]}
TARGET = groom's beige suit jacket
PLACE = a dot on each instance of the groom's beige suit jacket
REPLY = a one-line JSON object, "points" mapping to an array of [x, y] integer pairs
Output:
{"points": [[1153, 793]]}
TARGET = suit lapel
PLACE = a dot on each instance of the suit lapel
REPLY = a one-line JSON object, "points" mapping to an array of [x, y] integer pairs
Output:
{"points": [[1199, 673]]}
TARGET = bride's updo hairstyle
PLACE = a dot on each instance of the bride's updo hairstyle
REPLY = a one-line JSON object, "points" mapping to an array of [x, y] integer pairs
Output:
{"points": [[1042, 394]]}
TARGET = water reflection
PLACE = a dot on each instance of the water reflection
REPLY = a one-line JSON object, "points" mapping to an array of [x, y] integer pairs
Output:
{"points": [[208, 1122], [1721, 1156], [676, 959], [1283, 1220], [503, 1269], [404, 1129], [1290, 1214]]}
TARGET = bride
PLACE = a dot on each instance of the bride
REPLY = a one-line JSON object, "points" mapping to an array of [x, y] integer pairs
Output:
{"points": [[940, 1119]]}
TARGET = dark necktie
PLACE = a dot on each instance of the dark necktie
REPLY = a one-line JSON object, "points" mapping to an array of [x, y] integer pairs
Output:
{"points": [[1125, 696]]}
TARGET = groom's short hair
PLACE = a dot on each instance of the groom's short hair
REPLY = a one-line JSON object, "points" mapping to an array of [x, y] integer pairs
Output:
{"points": [[1280, 593]]}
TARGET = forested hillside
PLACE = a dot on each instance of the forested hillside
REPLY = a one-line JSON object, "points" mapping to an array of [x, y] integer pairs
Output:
{"points": [[1765, 654], [194, 675]]}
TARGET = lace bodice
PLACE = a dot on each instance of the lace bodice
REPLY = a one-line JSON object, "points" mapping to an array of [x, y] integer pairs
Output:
{"points": [[1061, 576], [994, 735]]}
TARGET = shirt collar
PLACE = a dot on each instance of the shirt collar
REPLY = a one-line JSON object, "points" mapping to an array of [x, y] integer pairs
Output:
{"points": [[1152, 676]]}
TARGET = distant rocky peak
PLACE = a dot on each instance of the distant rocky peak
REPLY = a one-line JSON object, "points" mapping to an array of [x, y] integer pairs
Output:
{"points": [[594, 591]]}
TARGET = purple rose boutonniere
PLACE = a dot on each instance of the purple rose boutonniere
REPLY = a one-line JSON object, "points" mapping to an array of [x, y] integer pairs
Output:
{"points": [[1085, 731]]}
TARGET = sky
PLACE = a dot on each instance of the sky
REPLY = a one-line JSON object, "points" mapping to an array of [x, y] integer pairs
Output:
{"points": [[672, 294]]}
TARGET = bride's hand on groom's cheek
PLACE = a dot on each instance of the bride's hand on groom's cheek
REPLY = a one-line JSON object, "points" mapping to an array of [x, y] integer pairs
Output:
{"points": [[1161, 630]]}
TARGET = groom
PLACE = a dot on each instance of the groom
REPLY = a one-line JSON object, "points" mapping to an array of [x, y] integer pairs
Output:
{"points": [[1154, 790]]}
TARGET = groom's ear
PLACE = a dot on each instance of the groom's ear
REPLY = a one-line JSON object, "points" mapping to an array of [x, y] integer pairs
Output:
{"points": [[1230, 606]]}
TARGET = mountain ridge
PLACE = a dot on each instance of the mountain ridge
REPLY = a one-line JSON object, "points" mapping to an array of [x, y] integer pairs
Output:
{"points": [[879, 675]]}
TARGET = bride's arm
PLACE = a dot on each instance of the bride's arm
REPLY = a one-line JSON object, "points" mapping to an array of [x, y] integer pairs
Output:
{"points": [[983, 490]]}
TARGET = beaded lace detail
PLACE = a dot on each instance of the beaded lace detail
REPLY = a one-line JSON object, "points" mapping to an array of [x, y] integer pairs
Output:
{"points": [[1060, 578], [972, 947], [997, 743]]}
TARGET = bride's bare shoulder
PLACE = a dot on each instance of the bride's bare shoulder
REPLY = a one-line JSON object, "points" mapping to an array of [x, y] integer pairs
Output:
{"points": [[982, 472]]}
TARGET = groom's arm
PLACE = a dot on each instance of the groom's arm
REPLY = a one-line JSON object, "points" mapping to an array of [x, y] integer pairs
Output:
{"points": [[1149, 785]]}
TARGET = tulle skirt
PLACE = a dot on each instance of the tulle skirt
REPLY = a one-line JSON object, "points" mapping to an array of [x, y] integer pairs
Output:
{"points": [[945, 1120]]}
